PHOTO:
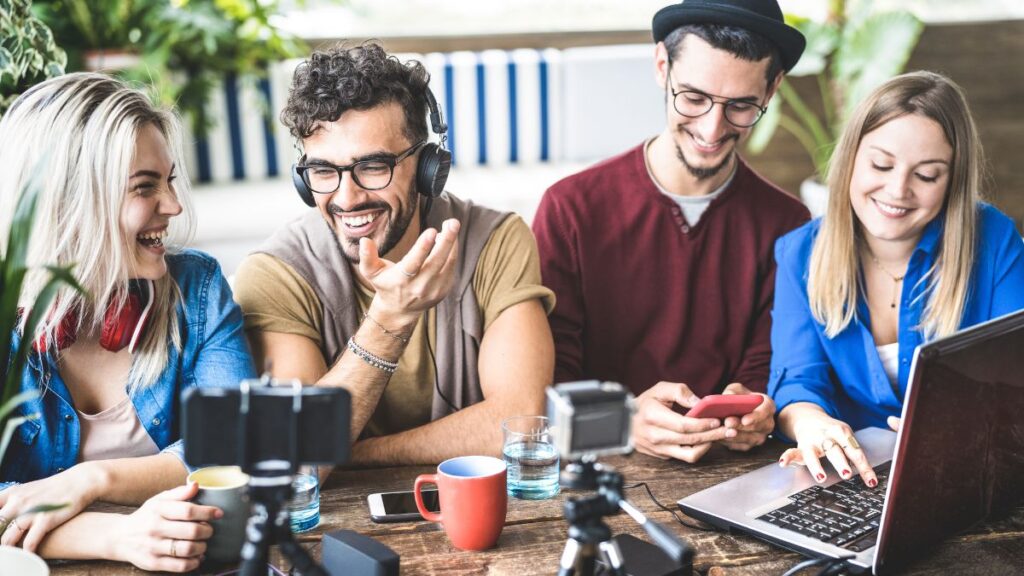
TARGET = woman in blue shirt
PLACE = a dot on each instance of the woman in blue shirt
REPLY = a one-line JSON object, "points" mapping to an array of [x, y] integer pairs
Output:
{"points": [[110, 366], [906, 253]]}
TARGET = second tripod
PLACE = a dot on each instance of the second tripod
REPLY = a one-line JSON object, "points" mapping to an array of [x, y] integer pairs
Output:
{"points": [[590, 536]]}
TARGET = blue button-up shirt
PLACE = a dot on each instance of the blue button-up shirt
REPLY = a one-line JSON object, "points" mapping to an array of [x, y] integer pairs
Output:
{"points": [[214, 353], [844, 374]]}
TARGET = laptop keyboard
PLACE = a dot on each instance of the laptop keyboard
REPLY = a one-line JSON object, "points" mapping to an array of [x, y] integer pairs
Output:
{"points": [[845, 514]]}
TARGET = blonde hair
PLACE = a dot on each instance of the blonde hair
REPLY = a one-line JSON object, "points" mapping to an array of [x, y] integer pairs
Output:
{"points": [[833, 285], [74, 138]]}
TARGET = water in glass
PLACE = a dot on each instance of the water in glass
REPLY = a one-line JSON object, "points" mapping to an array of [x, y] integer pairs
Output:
{"points": [[305, 503]]}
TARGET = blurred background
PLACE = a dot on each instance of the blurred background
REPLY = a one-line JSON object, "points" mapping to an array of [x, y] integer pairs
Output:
{"points": [[533, 90]]}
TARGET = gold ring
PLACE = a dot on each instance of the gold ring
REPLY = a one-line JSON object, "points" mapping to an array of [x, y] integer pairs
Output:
{"points": [[174, 553], [830, 446], [851, 442], [5, 522]]}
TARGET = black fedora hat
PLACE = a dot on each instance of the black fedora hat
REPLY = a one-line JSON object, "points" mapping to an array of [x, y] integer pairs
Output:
{"points": [[761, 16]]}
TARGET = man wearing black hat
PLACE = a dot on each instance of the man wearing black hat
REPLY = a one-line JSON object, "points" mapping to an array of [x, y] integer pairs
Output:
{"points": [[662, 257]]}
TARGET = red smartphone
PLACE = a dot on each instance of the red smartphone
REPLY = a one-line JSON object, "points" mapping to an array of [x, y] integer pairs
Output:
{"points": [[725, 405]]}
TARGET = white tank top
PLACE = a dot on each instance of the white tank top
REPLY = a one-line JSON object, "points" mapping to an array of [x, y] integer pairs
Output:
{"points": [[890, 357], [115, 432]]}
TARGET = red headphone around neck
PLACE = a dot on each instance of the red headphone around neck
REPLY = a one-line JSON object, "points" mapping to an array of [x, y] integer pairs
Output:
{"points": [[121, 327]]}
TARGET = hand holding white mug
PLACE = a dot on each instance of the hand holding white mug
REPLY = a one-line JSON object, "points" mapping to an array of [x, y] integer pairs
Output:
{"points": [[167, 533]]}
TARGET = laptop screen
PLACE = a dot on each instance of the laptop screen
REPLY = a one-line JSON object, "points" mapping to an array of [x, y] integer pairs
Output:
{"points": [[960, 453]]}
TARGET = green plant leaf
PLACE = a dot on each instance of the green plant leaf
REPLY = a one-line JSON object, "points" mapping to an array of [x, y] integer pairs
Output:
{"points": [[763, 131], [872, 52], [16, 401], [41, 508], [9, 428], [822, 39]]}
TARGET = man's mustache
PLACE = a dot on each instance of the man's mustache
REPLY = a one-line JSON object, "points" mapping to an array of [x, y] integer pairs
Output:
{"points": [[335, 209]]}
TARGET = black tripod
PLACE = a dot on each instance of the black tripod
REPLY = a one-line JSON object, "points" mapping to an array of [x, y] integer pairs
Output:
{"points": [[270, 489], [589, 535]]}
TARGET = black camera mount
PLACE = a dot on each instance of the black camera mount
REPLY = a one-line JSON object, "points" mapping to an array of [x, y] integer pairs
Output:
{"points": [[270, 489], [588, 533]]}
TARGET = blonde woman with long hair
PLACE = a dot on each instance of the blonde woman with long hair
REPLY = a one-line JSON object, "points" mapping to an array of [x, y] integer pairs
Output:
{"points": [[906, 253], [110, 365]]}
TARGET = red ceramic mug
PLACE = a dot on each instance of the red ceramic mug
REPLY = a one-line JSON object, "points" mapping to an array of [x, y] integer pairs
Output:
{"points": [[473, 500]]}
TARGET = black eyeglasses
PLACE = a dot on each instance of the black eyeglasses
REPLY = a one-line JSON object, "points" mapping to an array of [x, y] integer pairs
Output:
{"points": [[373, 174], [694, 104]]}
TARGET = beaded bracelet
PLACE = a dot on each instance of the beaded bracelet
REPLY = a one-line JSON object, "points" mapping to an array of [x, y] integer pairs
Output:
{"points": [[398, 337], [370, 358]]}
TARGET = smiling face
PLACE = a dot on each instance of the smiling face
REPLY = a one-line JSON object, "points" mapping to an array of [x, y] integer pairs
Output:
{"points": [[900, 177], [386, 216], [150, 204], [707, 144]]}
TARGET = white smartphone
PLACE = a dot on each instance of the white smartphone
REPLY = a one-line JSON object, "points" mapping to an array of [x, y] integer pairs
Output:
{"points": [[400, 506]]}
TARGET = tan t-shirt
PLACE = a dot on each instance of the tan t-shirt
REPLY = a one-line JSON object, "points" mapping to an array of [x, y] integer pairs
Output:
{"points": [[114, 433], [275, 298]]}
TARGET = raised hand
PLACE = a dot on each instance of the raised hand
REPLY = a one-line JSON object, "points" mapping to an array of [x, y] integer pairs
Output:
{"points": [[421, 279]]}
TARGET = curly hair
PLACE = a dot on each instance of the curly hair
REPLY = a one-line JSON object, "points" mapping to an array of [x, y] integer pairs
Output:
{"points": [[343, 78]]}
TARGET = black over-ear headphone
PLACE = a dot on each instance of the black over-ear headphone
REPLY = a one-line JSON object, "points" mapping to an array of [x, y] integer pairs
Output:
{"points": [[431, 170]]}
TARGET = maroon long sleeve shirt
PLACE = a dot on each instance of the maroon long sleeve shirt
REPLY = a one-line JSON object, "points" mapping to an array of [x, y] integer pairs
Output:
{"points": [[642, 296]]}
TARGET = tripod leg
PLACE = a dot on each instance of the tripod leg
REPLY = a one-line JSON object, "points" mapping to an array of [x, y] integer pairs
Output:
{"points": [[613, 556], [302, 563], [567, 564], [254, 551]]}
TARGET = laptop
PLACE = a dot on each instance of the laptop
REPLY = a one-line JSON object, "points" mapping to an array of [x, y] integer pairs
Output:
{"points": [[958, 458]]}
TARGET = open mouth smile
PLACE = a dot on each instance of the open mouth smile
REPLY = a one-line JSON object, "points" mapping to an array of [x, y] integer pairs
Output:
{"points": [[154, 239], [889, 209]]}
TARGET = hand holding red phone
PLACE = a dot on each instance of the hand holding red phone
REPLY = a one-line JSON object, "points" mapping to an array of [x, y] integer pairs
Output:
{"points": [[661, 432], [751, 429]]}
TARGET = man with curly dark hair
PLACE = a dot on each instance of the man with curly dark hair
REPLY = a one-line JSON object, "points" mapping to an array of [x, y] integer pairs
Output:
{"points": [[429, 310]]}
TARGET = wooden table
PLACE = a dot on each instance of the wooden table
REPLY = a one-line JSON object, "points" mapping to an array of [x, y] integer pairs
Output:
{"points": [[535, 532]]}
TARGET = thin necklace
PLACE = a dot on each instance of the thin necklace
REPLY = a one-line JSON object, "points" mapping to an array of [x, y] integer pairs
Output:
{"points": [[895, 280]]}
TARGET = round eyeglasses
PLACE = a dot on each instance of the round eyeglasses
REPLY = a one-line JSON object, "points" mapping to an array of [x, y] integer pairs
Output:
{"points": [[370, 174], [694, 104]]}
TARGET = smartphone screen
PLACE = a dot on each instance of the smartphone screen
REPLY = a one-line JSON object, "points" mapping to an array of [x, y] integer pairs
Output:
{"points": [[405, 502]]}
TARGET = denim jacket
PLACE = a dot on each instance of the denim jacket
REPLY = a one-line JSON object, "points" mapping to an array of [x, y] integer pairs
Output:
{"points": [[214, 353]]}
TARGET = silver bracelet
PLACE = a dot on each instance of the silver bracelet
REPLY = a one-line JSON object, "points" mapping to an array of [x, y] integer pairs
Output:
{"points": [[399, 337], [370, 358]]}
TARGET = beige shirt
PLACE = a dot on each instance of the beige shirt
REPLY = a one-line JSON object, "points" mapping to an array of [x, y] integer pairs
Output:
{"points": [[115, 432], [275, 298]]}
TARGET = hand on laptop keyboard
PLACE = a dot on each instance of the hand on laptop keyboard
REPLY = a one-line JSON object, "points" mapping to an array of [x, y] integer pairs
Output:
{"points": [[819, 435]]}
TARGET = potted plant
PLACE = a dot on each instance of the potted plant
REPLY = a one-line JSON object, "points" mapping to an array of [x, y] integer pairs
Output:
{"points": [[850, 53], [28, 53], [23, 317], [181, 48]]}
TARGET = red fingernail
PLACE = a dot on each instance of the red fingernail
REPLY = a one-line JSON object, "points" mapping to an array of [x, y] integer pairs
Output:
{"points": [[872, 482], [820, 477], [846, 472]]}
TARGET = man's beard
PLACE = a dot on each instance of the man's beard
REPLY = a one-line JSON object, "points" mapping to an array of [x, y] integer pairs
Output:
{"points": [[392, 234], [701, 173]]}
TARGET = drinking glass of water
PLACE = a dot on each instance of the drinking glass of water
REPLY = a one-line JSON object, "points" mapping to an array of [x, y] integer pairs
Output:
{"points": [[305, 503], [531, 458]]}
